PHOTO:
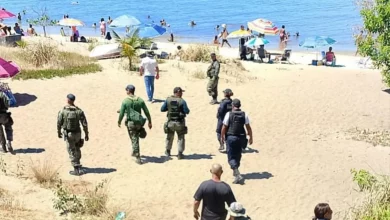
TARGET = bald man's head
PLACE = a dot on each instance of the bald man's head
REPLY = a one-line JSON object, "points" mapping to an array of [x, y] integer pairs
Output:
{"points": [[216, 169]]}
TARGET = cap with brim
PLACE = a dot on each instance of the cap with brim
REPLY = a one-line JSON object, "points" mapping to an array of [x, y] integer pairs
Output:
{"points": [[236, 210], [178, 89], [228, 91], [236, 103], [130, 88], [71, 97]]}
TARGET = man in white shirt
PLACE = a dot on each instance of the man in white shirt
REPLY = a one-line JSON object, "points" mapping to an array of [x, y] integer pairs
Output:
{"points": [[149, 69], [233, 131]]}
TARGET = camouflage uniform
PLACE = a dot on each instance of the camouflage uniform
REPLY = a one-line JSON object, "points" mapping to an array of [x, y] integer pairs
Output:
{"points": [[212, 85], [132, 106], [6, 121], [177, 110], [72, 137]]}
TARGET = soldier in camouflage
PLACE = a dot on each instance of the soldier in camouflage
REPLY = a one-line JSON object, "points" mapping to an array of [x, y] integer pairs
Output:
{"points": [[6, 121], [131, 106], [213, 74], [177, 110], [68, 126]]}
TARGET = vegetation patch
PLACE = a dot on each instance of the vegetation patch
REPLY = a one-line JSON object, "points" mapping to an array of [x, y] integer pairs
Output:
{"points": [[375, 138]]}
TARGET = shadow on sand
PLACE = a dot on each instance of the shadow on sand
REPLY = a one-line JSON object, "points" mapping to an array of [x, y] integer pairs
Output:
{"points": [[257, 176], [386, 91], [23, 99], [29, 151], [152, 159], [98, 170]]}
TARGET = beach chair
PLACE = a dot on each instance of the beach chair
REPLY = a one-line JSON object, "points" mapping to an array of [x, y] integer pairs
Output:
{"points": [[261, 54]]}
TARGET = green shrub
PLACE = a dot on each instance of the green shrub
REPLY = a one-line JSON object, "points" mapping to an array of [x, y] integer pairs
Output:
{"points": [[51, 73], [22, 44]]}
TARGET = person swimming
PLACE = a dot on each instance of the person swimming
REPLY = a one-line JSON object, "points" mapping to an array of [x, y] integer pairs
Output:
{"points": [[192, 23]]}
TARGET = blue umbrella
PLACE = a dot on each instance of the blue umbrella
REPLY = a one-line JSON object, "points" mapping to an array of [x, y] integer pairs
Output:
{"points": [[256, 42], [125, 21], [317, 41], [151, 30]]}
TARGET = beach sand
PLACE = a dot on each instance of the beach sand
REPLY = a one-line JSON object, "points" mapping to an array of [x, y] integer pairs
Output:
{"points": [[300, 114]]}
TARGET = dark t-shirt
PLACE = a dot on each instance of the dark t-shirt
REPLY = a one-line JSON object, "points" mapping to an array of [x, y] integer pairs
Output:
{"points": [[214, 195]]}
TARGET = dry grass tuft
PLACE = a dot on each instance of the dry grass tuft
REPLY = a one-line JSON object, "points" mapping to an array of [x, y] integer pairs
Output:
{"points": [[198, 74], [375, 138], [9, 203], [95, 201], [45, 173], [198, 53]]}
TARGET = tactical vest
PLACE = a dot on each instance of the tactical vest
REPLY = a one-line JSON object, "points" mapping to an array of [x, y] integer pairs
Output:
{"points": [[71, 122], [175, 109], [227, 103], [236, 123]]}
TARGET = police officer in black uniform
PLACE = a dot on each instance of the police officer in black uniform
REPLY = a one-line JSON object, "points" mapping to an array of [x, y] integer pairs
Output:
{"points": [[233, 130], [224, 107]]}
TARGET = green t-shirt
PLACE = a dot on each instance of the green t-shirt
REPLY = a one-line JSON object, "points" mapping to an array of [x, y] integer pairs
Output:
{"points": [[135, 103]]}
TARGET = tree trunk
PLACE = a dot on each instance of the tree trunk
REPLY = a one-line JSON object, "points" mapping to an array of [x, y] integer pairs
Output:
{"points": [[130, 64], [44, 31]]}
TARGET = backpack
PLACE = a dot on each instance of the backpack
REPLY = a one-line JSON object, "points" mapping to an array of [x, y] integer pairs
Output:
{"points": [[71, 119], [135, 116]]}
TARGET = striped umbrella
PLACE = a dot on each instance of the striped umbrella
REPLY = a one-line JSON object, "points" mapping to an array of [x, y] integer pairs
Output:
{"points": [[256, 42], [263, 26], [70, 22], [239, 34]]}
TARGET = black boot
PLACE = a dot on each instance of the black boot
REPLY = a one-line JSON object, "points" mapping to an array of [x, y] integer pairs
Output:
{"points": [[3, 149], [238, 178], [75, 171], [9, 146]]}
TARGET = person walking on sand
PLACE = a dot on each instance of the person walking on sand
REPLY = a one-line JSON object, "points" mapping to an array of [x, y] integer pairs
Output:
{"points": [[69, 120], [224, 35], [149, 69], [131, 106], [233, 131], [213, 74], [214, 193], [358, 41], [6, 121], [224, 108], [177, 110]]}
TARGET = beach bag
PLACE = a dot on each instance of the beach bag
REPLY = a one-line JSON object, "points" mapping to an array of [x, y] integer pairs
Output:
{"points": [[11, 97], [134, 116]]}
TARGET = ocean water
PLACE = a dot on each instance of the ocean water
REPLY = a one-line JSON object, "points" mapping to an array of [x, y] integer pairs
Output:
{"points": [[334, 18]]}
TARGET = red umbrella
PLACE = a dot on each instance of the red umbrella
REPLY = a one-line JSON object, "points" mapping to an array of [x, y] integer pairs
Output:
{"points": [[8, 69], [6, 14]]}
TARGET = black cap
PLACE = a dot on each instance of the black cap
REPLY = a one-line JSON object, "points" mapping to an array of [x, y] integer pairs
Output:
{"points": [[178, 89], [236, 103], [212, 54], [228, 91], [130, 88], [71, 97]]}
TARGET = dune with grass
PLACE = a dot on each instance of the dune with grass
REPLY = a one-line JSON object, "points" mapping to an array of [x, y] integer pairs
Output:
{"points": [[311, 126]]}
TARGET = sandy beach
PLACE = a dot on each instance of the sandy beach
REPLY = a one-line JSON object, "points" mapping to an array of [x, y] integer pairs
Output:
{"points": [[300, 115]]}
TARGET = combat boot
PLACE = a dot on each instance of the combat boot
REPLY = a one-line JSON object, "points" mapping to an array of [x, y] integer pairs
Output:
{"points": [[180, 156], [9, 146], [75, 171], [238, 178], [138, 160], [3, 149], [221, 147], [168, 153]]}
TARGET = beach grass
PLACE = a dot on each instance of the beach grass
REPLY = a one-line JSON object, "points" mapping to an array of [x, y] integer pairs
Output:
{"points": [[41, 60], [197, 53], [45, 173]]}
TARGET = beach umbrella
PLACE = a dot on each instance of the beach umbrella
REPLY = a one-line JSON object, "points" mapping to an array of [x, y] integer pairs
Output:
{"points": [[256, 42], [8, 69], [70, 22], [239, 34], [317, 41], [151, 30], [5, 14], [263, 26], [125, 21]]}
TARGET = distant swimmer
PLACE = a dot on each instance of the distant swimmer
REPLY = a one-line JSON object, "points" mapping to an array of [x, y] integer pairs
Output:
{"points": [[75, 3], [192, 23]]}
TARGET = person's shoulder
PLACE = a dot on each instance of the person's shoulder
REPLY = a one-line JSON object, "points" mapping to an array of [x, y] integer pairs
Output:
{"points": [[225, 185]]}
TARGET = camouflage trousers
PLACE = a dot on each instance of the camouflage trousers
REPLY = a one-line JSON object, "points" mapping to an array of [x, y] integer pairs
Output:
{"points": [[134, 132], [72, 145], [181, 130], [212, 87]]}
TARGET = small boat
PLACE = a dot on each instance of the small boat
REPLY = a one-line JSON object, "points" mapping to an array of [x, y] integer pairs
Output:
{"points": [[106, 51]]}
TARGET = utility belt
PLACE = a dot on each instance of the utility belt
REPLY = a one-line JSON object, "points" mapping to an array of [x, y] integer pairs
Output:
{"points": [[236, 135], [79, 144]]}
